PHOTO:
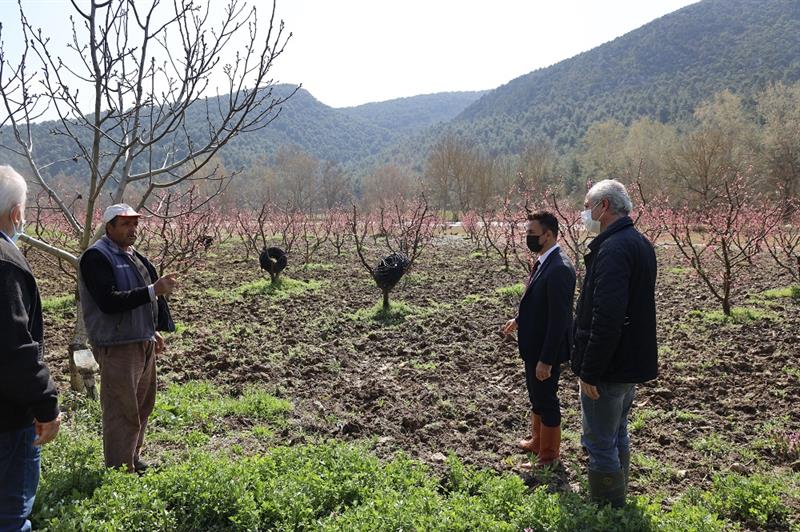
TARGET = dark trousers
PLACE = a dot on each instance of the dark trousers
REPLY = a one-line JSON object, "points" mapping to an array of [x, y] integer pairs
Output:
{"points": [[544, 394], [19, 477], [127, 395]]}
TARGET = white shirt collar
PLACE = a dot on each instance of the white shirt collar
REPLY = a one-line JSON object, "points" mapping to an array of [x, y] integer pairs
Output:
{"points": [[547, 253]]}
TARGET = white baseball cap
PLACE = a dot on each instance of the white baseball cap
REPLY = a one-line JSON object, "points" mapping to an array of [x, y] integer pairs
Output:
{"points": [[118, 209]]}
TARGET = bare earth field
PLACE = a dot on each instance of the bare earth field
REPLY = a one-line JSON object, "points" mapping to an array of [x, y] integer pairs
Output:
{"points": [[438, 378]]}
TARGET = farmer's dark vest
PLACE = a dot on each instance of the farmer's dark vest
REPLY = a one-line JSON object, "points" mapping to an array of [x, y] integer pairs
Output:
{"points": [[135, 325]]}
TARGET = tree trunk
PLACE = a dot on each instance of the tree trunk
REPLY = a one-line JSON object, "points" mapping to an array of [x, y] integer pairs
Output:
{"points": [[385, 299]]}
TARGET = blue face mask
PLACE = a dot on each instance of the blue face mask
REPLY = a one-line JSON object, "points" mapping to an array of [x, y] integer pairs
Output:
{"points": [[18, 231]]}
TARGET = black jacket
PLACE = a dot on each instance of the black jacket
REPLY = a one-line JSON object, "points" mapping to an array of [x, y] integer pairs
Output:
{"points": [[26, 389], [545, 312], [98, 275], [615, 324]]}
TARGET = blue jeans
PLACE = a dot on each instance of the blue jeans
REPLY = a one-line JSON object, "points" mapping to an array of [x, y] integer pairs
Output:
{"points": [[605, 425], [19, 477]]}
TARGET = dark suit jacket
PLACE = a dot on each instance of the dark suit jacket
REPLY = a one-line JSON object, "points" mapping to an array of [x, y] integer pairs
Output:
{"points": [[545, 312], [26, 389]]}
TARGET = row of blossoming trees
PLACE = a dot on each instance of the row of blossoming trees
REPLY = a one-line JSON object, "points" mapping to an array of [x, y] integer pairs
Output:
{"points": [[720, 238], [724, 238]]}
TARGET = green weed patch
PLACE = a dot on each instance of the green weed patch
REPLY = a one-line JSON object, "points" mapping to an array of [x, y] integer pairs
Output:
{"points": [[201, 405], [515, 290], [58, 303], [283, 288], [738, 315], [780, 293], [397, 313]]}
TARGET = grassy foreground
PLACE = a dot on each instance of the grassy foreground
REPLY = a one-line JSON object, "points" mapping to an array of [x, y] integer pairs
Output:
{"points": [[209, 479]]}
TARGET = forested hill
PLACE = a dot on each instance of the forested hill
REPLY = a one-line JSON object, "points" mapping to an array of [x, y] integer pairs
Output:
{"points": [[345, 134], [661, 70], [408, 115]]}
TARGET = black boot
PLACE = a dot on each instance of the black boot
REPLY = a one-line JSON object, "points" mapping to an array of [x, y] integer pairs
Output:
{"points": [[607, 488], [625, 464]]}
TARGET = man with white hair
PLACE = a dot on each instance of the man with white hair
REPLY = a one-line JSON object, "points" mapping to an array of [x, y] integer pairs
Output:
{"points": [[29, 415], [124, 310], [615, 335]]}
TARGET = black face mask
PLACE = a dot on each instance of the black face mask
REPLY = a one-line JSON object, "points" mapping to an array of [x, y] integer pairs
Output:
{"points": [[533, 243]]}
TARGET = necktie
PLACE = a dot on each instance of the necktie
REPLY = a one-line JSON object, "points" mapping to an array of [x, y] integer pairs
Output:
{"points": [[534, 269]]}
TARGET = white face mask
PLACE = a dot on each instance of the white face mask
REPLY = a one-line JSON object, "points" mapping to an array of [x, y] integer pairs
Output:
{"points": [[592, 226], [19, 230]]}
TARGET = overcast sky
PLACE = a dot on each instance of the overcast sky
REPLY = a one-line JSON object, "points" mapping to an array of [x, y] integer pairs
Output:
{"points": [[349, 52]]}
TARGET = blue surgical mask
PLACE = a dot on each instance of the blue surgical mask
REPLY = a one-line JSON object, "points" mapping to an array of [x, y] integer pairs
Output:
{"points": [[18, 231]]}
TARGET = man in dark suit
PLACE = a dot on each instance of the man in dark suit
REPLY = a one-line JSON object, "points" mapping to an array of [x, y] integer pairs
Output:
{"points": [[544, 325]]}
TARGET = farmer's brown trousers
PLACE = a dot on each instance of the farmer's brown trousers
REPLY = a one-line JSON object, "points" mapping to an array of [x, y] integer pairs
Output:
{"points": [[127, 395]]}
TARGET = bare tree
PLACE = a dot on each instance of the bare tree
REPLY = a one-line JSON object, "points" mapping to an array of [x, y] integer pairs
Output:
{"points": [[406, 230], [147, 69], [181, 234], [296, 178], [779, 108], [335, 185]]}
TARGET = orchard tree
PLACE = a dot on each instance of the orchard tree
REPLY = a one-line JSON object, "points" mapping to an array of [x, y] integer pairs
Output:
{"points": [[720, 239], [405, 228], [719, 148], [783, 243], [135, 101], [296, 174], [386, 184], [537, 166], [779, 109], [599, 153]]}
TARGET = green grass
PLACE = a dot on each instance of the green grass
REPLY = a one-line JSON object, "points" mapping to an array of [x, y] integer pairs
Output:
{"points": [[792, 371], [339, 486], [755, 501], [202, 406], [284, 288], [397, 313], [423, 366], [472, 299], [780, 293], [685, 416], [651, 470], [679, 270], [714, 445], [641, 417], [182, 328], [738, 315], [58, 303], [319, 266], [515, 290]]}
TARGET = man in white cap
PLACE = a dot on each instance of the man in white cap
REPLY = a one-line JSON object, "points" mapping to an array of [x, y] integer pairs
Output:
{"points": [[123, 307]]}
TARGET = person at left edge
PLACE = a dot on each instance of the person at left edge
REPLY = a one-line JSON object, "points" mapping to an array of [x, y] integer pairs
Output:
{"points": [[544, 325], [124, 310], [29, 415]]}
